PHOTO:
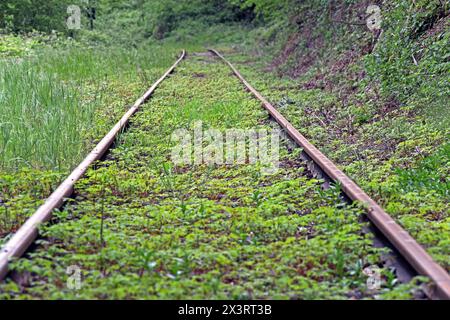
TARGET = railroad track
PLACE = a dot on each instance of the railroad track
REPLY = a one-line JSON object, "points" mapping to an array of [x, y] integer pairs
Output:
{"points": [[398, 238]]}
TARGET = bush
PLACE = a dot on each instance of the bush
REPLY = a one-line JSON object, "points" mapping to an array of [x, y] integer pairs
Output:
{"points": [[29, 15]]}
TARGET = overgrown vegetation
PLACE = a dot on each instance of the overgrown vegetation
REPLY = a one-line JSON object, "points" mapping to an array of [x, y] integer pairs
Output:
{"points": [[378, 107], [49, 100], [30, 15], [376, 102], [140, 227], [57, 99]]}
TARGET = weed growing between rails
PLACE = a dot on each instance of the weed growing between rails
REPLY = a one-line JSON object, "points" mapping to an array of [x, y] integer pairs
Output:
{"points": [[55, 105], [164, 231], [233, 147], [397, 156]]}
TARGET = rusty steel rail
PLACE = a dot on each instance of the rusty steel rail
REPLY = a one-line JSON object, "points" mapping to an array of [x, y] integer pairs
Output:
{"points": [[28, 233], [414, 253]]}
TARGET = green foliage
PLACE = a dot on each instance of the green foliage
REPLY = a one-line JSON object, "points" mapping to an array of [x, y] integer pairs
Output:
{"points": [[409, 65], [35, 109], [21, 193], [29, 15], [268, 8], [432, 174], [170, 15], [398, 156], [142, 228], [61, 91], [13, 46], [139, 21], [241, 232]]}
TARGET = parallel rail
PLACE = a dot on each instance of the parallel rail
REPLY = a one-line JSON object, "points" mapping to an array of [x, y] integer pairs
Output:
{"points": [[413, 252], [28, 233]]}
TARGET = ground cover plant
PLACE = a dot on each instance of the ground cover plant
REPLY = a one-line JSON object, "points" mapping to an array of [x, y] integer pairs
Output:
{"points": [[386, 125], [375, 101], [141, 227], [56, 103]]}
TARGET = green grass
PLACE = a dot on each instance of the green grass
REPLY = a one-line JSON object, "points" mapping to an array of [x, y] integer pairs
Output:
{"points": [[14, 46], [48, 101], [41, 118], [431, 174], [142, 228], [399, 156], [55, 105]]}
